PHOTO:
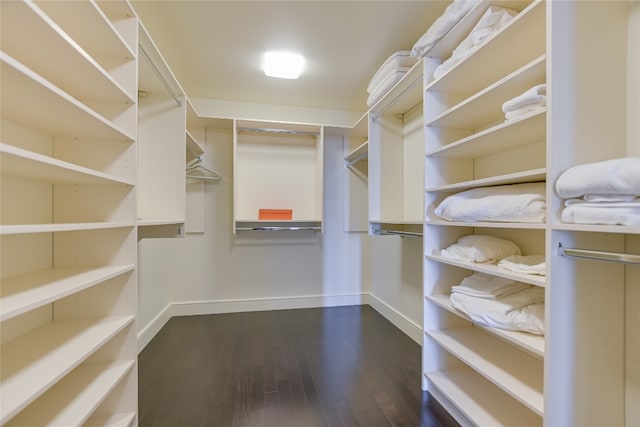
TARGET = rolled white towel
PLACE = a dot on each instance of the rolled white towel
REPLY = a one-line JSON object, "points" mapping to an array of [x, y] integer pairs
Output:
{"points": [[536, 95], [480, 248], [504, 203], [482, 285], [522, 111], [527, 264], [619, 176]]}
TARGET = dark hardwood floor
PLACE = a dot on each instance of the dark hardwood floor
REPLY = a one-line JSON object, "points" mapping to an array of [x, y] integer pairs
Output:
{"points": [[339, 366]]}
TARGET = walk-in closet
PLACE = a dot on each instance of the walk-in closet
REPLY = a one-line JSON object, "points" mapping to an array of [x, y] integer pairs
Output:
{"points": [[433, 221]]}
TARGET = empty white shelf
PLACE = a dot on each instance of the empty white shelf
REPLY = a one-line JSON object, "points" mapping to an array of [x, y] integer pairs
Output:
{"points": [[534, 344], [518, 374], [115, 420], [533, 175], [24, 164], [25, 292], [480, 401], [403, 96], [56, 112], [504, 136], [28, 26], [34, 362], [491, 269], [6, 230], [72, 400], [359, 153]]}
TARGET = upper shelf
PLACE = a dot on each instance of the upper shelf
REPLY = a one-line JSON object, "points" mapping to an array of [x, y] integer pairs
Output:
{"points": [[406, 94], [56, 112], [24, 164], [361, 152]]}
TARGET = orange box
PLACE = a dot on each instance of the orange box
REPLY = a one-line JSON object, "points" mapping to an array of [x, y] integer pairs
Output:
{"points": [[276, 214]]}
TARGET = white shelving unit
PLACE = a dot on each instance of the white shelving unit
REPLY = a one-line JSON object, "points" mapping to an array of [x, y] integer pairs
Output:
{"points": [[483, 375], [68, 209], [277, 166], [356, 177], [396, 147], [162, 124]]}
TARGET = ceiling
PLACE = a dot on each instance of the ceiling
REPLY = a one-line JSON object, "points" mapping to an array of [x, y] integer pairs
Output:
{"points": [[215, 48]]}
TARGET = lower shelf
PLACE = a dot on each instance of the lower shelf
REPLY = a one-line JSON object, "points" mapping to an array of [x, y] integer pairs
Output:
{"points": [[514, 371], [116, 420], [34, 362], [72, 400], [479, 401]]}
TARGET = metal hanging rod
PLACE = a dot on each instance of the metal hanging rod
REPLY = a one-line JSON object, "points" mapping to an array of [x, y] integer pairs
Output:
{"points": [[397, 98], [157, 72], [278, 228], [400, 233], [285, 131], [599, 255]]}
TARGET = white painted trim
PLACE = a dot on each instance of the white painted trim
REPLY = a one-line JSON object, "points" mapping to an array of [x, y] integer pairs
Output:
{"points": [[150, 330], [191, 308], [402, 322]]}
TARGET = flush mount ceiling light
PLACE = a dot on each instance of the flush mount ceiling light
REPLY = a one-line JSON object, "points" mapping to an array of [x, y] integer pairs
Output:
{"points": [[284, 65]]}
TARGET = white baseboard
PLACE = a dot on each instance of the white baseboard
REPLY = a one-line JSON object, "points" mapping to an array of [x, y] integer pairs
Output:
{"points": [[193, 308], [402, 322], [264, 304], [152, 328]]}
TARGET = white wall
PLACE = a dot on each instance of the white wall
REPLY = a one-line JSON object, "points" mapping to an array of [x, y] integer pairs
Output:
{"points": [[219, 272]]}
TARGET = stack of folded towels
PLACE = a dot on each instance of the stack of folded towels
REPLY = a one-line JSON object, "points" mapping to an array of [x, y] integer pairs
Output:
{"points": [[500, 303], [389, 73], [493, 20], [441, 26], [530, 101], [500, 203], [606, 192]]}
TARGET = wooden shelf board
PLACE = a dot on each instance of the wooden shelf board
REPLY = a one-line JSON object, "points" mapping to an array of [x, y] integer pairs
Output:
{"points": [[533, 175], [487, 224], [25, 292], [485, 106], [491, 269], [404, 95], [514, 371], [56, 228], [24, 164], [360, 152], [103, 39], [115, 420], [479, 400], [158, 222], [34, 362], [507, 135], [533, 344], [74, 398], [59, 55], [193, 144], [56, 112]]}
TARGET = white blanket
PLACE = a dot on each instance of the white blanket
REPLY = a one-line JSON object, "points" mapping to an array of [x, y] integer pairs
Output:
{"points": [[481, 249], [385, 86], [610, 177], [441, 26], [591, 213], [522, 311], [481, 285], [527, 264], [493, 20], [503, 203]]}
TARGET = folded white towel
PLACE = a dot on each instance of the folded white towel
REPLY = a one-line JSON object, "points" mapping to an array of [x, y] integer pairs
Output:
{"points": [[480, 249], [441, 26], [385, 86], [482, 285], [521, 311], [527, 264], [398, 61], [504, 203], [610, 177], [493, 20], [606, 215], [609, 198], [523, 111], [536, 95]]}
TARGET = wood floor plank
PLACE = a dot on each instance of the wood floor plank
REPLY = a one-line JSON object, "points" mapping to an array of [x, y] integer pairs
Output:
{"points": [[329, 367]]}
